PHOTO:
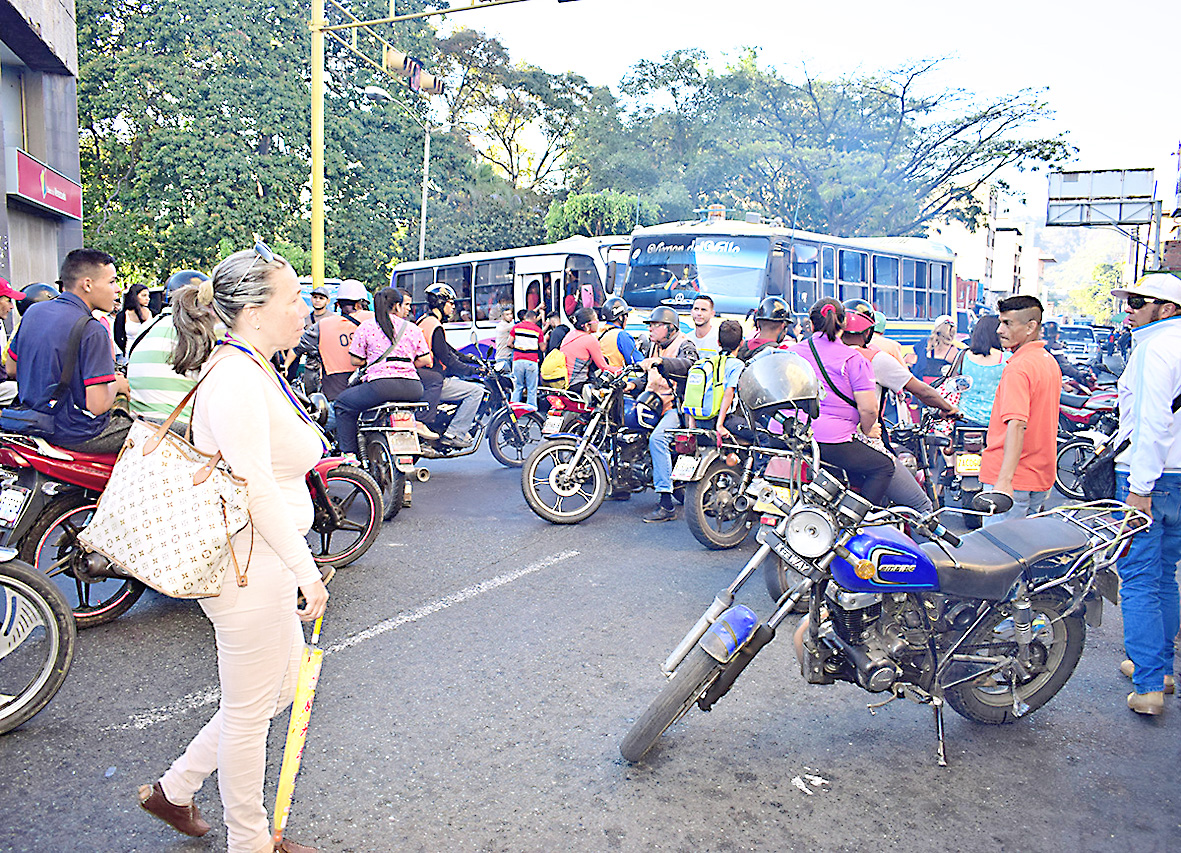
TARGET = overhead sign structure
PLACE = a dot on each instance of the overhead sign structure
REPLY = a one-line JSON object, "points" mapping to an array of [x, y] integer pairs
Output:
{"points": [[1106, 197]]}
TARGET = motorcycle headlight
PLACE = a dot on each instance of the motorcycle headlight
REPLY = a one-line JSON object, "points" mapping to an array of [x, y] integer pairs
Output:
{"points": [[810, 531]]}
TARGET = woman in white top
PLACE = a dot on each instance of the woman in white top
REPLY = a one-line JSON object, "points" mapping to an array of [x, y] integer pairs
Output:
{"points": [[134, 315], [246, 410]]}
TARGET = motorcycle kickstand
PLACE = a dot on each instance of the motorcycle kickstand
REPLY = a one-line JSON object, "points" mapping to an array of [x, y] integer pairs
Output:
{"points": [[937, 707]]}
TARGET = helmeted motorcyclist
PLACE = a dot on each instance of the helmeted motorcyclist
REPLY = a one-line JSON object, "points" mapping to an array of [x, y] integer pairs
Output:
{"points": [[771, 320], [619, 347], [673, 353], [440, 300], [330, 337]]}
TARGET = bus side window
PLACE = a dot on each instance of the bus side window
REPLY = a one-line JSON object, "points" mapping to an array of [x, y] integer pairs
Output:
{"points": [[459, 277], [777, 281], [582, 287]]}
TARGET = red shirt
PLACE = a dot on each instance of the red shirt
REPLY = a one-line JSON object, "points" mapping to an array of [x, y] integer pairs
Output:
{"points": [[526, 341], [1029, 389]]}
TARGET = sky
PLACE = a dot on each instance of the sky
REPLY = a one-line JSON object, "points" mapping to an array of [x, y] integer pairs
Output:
{"points": [[1111, 79]]}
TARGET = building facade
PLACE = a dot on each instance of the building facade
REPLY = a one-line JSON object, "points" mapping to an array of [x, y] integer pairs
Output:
{"points": [[41, 217]]}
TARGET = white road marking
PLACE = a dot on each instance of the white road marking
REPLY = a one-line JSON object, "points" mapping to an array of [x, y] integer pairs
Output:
{"points": [[212, 695]]}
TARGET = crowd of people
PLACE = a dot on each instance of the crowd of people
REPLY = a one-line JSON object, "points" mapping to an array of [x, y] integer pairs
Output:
{"points": [[245, 325]]}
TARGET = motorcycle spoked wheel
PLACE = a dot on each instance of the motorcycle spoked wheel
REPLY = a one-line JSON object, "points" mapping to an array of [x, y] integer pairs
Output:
{"points": [[555, 490], [710, 512], [359, 498], [385, 473], [511, 444], [52, 548], [692, 678], [39, 634], [780, 577], [1057, 647], [1071, 458]]}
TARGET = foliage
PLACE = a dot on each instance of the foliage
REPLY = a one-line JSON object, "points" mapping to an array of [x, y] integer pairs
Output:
{"points": [[1094, 299], [597, 214]]}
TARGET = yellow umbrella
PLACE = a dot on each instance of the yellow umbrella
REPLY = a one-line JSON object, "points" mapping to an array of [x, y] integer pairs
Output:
{"points": [[297, 730]]}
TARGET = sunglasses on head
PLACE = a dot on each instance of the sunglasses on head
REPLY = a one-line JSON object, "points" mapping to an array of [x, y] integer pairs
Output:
{"points": [[1136, 302], [260, 251]]}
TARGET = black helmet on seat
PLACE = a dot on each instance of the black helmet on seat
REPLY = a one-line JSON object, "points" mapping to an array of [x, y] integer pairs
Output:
{"points": [[776, 379], [773, 308]]}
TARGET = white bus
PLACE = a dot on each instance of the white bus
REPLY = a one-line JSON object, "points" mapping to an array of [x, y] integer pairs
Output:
{"points": [[558, 278]]}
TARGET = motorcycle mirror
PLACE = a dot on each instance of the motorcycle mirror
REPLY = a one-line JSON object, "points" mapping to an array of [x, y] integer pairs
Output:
{"points": [[473, 336], [993, 503]]}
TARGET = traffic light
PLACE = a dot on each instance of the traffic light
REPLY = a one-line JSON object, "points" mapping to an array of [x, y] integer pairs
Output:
{"points": [[395, 62]]}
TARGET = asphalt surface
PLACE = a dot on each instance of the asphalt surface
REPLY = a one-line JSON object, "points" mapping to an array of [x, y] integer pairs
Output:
{"points": [[483, 667]]}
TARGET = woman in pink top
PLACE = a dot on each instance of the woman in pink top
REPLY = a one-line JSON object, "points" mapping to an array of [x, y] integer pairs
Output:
{"points": [[582, 348], [851, 402], [245, 410], [390, 376]]}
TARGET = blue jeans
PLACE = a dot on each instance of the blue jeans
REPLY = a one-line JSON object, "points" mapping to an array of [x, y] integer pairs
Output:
{"points": [[525, 373], [1148, 585], [662, 455], [1024, 503]]}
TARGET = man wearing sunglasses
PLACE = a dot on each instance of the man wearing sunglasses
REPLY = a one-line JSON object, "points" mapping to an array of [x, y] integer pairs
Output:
{"points": [[1148, 477]]}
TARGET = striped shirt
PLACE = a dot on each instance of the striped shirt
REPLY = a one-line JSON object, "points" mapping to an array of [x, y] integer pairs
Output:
{"points": [[156, 389]]}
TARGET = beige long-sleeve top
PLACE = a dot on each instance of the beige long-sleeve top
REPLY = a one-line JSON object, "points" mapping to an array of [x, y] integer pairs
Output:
{"points": [[240, 411]]}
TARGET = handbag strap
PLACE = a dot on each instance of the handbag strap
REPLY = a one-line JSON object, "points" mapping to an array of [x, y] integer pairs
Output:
{"points": [[203, 473], [828, 379], [71, 361]]}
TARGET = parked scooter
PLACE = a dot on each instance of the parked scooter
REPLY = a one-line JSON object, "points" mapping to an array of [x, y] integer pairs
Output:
{"points": [[992, 625]]}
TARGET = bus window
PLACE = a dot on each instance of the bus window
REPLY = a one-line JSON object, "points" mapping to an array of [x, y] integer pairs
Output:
{"points": [[804, 266], [828, 270], [914, 290], [582, 287], [494, 289], [939, 301], [885, 285], [460, 279], [853, 276], [777, 284], [415, 283]]}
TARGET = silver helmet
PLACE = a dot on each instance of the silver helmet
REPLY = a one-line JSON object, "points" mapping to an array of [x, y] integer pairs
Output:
{"points": [[776, 379]]}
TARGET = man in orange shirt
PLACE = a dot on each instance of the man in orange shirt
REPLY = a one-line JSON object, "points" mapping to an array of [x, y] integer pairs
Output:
{"points": [[1023, 430]]}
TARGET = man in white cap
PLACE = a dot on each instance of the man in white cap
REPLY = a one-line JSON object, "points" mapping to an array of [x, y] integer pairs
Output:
{"points": [[8, 296], [329, 338], [1148, 477]]}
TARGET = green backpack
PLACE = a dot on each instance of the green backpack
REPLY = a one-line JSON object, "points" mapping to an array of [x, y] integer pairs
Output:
{"points": [[704, 387]]}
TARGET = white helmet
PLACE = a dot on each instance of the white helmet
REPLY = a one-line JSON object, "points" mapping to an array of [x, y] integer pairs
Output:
{"points": [[351, 290]]}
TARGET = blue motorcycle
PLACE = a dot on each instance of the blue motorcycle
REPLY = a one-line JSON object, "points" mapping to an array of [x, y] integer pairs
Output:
{"points": [[992, 624]]}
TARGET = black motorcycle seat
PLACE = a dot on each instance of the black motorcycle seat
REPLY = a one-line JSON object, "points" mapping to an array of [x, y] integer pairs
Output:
{"points": [[1075, 401], [981, 568]]}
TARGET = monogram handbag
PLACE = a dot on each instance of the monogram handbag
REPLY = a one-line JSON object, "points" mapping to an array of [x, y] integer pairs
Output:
{"points": [[168, 512]]}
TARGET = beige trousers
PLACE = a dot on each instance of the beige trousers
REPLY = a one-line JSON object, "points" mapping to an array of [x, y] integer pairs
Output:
{"points": [[259, 645]]}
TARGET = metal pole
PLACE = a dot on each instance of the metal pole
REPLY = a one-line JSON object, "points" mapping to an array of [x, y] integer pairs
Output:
{"points": [[426, 165], [318, 24]]}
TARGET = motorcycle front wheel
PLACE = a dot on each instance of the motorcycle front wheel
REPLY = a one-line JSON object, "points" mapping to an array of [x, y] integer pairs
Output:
{"points": [[358, 498], [1056, 649], [385, 473], [512, 442], [692, 678], [37, 635], [555, 489], [710, 512], [1072, 458], [52, 548]]}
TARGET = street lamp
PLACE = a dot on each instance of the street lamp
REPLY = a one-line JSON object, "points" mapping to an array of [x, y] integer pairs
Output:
{"points": [[376, 93]]}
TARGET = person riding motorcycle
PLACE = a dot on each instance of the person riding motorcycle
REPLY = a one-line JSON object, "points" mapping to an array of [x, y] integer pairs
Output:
{"points": [[771, 321], [440, 299], [584, 354], [673, 353], [619, 347], [331, 336], [1055, 347]]}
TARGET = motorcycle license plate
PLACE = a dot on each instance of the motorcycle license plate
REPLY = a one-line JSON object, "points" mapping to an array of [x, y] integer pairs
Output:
{"points": [[404, 442], [685, 468], [12, 501], [967, 463], [553, 424]]}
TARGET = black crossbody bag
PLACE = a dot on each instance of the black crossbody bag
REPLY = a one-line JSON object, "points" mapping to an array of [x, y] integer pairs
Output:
{"points": [[20, 418], [1097, 477]]}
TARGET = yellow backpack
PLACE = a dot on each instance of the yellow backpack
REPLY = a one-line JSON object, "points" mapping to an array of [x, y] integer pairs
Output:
{"points": [[553, 369]]}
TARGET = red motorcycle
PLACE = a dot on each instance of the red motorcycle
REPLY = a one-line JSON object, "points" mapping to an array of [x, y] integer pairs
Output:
{"points": [[1089, 410], [48, 494]]}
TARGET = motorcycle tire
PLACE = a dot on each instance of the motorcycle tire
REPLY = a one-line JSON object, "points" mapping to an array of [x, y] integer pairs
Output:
{"points": [[51, 547], [692, 678], [1072, 457], [385, 473], [987, 699], [780, 577], [359, 498], [512, 443], [39, 632], [710, 512], [547, 483]]}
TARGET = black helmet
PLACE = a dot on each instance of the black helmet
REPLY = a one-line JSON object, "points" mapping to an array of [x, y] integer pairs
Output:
{"points": [[1050, 327], [775, 379], [38, 292], [438, 295], [614, 308], [664, 314], [179, 279], [773, 308], [584, 316]]}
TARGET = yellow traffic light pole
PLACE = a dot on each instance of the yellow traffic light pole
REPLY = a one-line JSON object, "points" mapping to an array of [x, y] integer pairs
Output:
{"points": [[319, 26]]}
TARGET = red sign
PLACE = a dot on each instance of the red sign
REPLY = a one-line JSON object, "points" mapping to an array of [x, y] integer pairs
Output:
{"points": [[35, 182]]}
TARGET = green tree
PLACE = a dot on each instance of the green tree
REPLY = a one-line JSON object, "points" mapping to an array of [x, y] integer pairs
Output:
{"points": [[1094, 299], [597, 215]]}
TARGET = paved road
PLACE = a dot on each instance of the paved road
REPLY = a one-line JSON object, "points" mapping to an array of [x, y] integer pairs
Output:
{"points": [[482, 668]]}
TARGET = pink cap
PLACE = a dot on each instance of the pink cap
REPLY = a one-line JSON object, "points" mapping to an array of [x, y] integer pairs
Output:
{"points": [[6, 289]]}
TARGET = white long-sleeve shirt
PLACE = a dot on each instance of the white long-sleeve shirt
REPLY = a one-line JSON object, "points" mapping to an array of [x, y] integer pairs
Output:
{"points": [[1147, 388]]}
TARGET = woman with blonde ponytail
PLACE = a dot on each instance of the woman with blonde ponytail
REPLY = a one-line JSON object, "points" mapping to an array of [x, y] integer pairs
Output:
{"points": [[244, 409]]}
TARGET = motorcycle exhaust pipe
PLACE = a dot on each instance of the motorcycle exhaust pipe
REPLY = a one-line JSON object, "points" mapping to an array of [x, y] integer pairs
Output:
{"points": [[422, 474], [96, 567], [742, 503]]}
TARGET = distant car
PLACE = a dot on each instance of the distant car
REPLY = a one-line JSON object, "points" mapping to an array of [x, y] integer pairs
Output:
{"points": [[1079, 342]]}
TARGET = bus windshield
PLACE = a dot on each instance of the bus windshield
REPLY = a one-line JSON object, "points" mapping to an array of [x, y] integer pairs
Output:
{"points": [[676, 267]]}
